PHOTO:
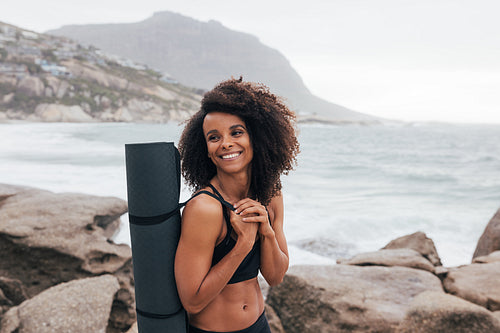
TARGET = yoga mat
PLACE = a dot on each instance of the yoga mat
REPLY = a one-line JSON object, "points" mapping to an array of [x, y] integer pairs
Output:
{"points": [[153, 188]]}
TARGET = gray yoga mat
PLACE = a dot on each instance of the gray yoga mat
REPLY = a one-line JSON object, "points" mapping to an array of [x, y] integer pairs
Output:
{"points": [[153, 187]]}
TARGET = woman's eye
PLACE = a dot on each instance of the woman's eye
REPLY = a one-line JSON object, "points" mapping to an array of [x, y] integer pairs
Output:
{"points": [[237, 133], [213, 138]]}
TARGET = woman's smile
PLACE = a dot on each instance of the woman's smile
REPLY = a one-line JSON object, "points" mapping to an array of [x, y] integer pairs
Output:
{"points": [[230, 156]]}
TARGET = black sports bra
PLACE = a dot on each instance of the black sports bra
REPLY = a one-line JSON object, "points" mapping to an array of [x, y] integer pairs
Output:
{"points": [[249, 267]]}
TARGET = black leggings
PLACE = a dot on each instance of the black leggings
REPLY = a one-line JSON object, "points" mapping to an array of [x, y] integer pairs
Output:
{"points": [[260, 326]]}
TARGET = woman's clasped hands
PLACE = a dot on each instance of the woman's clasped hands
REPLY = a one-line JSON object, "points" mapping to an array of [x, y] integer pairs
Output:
{"points": [[249, 218]]}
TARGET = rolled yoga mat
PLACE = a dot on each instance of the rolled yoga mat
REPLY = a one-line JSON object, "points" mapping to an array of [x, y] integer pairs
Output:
{"points": [[153, 187]]}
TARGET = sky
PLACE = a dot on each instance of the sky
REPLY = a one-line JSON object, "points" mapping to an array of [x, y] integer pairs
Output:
{"points": [[418, 60]]}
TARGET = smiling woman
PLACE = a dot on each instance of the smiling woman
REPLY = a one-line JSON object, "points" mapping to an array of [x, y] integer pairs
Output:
{"points": [[234, 150]]}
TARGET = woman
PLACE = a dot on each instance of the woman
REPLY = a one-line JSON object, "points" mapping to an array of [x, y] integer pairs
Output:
{"points": [[234, 150]]}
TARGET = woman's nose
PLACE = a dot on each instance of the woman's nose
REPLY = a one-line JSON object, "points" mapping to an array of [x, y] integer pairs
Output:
{"points": [[227, 143]]}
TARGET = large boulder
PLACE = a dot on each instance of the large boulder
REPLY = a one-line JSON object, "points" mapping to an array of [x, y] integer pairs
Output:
{"points": [[477, 283], [77, 306], [344, 298], [47, 238], [64, 113], [492, 257], [438, 312], [490, 239], [397, 257], [419, 242], [31, 86]]}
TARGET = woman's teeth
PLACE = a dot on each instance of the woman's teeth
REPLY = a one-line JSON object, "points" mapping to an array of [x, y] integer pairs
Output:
{"points": [[230, 156]]}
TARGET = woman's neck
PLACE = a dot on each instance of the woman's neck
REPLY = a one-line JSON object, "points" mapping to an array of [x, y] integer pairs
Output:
{"points": [[233, 187]]}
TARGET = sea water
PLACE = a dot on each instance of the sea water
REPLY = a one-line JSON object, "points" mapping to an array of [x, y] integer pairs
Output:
{"points": [[354, 189]]}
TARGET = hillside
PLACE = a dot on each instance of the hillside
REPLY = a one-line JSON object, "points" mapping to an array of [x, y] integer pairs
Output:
{"points": [[48, 78], [200, 54]]}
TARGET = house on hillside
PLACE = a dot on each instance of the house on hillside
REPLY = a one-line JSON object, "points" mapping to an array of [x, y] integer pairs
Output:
{"points": [[52, 68]]}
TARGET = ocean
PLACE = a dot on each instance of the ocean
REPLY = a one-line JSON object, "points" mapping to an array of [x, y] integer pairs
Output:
{"points": [[354, 189]]}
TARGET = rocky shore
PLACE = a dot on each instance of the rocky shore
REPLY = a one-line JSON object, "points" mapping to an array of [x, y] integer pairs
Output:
{"points": [[60, 272]]}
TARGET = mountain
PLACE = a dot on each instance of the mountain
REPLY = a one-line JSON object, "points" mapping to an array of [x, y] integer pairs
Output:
{"points": [[201, 54], [49, 78]]}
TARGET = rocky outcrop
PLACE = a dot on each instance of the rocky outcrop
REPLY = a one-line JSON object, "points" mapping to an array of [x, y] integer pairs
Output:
{"points": [[443, 313], [404, 295], [419, 242], [77, 306], [346, 298], [477, 283], [61, 113], [49, 238], [490, 239], [52, 79], [397, 257]]}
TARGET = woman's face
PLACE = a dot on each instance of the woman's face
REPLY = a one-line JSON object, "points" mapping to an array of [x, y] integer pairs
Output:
{"points": [[228, 142]]}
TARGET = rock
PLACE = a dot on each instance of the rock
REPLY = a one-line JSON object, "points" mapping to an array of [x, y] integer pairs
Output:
{"points": [[419, 242], [492, 257], [397, 257], [13, 290], [441, 272], [94, 74], [437, 312], [477, 283], [133, 328], [344, 298], [490, 239], [47, 238], [31, 86], [273, 320], [159, 92], [64, 113], [77, 306], [6, 99]]}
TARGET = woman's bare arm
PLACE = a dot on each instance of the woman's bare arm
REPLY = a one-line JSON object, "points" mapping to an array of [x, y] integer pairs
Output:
{"points": [[274, 250]]}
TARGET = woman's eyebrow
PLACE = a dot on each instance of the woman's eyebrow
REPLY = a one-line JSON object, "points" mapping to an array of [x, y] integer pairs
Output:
{"points": [[210, 132], [237, 125]]}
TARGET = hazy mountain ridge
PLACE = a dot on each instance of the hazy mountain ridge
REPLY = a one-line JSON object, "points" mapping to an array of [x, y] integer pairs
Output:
{"points": [[49, 78], [200, 54]]}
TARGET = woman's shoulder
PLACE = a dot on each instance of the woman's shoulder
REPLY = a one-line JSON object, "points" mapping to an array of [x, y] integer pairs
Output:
{"points": [[276, 202], [275, 206], [203, 203]]}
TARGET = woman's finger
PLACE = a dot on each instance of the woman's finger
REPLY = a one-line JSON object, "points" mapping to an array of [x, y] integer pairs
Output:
{"points": [[258, 210], [245, 202]]}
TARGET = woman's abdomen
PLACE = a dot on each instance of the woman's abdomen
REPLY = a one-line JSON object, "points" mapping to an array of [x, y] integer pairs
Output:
{"points": [[237, 307]]}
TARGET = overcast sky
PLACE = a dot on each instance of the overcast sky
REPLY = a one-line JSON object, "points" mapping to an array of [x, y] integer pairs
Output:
{"points": [[419, 60]]}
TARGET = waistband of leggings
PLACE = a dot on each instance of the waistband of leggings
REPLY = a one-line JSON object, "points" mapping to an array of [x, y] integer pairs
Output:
{"points": [[257, 325]]}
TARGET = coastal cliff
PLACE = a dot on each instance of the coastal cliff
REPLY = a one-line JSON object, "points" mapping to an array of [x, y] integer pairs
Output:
{"points": [[201, 54], [61, 272]]}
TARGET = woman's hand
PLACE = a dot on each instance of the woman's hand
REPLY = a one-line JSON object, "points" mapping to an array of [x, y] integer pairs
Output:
{"points": [[253, 211], [246, 231]]}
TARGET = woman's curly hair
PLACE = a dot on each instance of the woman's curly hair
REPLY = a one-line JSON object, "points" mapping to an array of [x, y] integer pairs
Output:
{"points": [[271, 127]]}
